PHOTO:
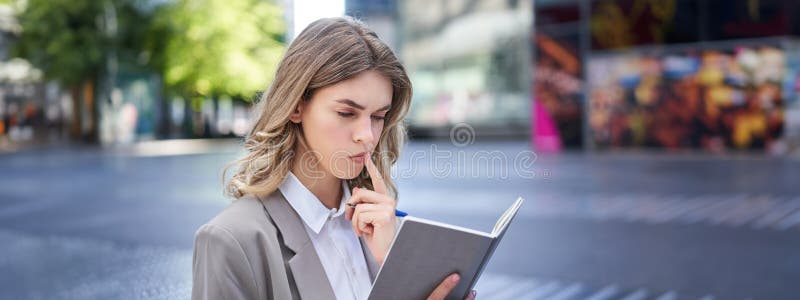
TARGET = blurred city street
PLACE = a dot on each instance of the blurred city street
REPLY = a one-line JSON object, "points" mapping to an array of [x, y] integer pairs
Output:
{"points": [[657, 143], [99, 223]]}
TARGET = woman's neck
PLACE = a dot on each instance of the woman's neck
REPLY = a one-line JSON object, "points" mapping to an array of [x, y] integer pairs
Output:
{"points": [[326, 187]]}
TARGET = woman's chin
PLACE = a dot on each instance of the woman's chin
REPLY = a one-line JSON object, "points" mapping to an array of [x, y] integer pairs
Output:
{"points": [[352, 175], [349, 173]]}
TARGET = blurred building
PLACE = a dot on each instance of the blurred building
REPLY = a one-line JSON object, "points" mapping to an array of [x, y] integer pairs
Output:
{"points": [[712, 75], [30, 111], [470, 63], [380, 15]]}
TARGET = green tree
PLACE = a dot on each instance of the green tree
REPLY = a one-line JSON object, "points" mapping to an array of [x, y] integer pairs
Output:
{"points": [[70, 41], [217, 47], [201, 48]]}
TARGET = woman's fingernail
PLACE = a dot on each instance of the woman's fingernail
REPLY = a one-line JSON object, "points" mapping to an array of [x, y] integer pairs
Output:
{"points": [[454, 278], [474, 294]]}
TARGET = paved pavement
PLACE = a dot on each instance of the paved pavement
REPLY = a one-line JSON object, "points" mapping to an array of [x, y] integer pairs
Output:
{"points": [[87, 223]]}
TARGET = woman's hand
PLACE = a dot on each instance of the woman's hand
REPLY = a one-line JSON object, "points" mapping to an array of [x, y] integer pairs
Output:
{"points": [[447, 285], [373, 217]]}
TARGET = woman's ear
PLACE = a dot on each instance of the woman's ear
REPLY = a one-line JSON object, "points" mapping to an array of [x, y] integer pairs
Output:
{"points": [[296, 116]]}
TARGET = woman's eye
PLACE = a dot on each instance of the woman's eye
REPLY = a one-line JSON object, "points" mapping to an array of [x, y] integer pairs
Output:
{"points": [[345, 114], [379, 118]]}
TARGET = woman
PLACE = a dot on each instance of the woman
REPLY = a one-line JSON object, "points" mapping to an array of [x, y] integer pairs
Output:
{"points": [[339, 95]]}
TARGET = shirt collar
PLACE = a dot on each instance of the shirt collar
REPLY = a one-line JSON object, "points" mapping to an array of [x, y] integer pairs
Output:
{"points": [[308, 206]]}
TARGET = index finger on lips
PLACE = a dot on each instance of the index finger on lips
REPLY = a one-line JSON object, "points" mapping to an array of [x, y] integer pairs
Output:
{"points": [[375, 175]]}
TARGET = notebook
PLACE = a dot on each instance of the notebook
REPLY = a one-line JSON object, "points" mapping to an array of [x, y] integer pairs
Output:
{"points": [[425, 252]]}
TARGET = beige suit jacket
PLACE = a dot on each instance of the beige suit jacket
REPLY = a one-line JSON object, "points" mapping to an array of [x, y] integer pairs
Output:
{"points": [[257, 248]]}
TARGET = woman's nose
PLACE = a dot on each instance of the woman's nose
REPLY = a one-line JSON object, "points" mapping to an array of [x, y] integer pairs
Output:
{"points": [[363, 134]]}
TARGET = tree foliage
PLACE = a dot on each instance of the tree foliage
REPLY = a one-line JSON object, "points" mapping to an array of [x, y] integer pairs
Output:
{"points": [[217, 47], [67, 39], [199, 47]]}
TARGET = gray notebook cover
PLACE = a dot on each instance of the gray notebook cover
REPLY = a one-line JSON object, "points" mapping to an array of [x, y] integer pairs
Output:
{"points": [[425, 252]]}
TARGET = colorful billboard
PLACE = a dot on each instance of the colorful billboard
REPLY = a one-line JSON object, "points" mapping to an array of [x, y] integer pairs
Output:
{"points": [[558, 84], [710, 99]]}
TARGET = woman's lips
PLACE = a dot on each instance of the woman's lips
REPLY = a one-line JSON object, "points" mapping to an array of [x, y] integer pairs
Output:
{"points": [[359, 158]]}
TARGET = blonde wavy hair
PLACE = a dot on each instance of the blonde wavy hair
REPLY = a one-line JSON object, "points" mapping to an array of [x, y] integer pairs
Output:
{"points": [[328, 51]]}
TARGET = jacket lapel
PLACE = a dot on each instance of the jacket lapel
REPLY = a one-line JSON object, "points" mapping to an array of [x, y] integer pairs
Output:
{"points": [[307, 270]]}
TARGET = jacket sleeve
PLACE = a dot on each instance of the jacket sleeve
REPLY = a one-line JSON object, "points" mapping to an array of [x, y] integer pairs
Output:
{"points": [[220, 269]]}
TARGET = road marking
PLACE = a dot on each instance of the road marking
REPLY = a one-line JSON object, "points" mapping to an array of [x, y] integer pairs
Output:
{"points": [[513, 291], [730, 210], [711, 210], [639, 294], [757, 207], [567, 293], [604, 294], [671, 295], [490, 284], [615, 206], [643, 205], [683, 207], [778, 213], [656, 210], [789, 221], [547, 289]]}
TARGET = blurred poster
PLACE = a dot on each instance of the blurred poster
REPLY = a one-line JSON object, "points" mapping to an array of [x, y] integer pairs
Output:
{"points": [[616, 24], [626, 23], [558, 85], [749, 18], [711, 99], [556, 13]]}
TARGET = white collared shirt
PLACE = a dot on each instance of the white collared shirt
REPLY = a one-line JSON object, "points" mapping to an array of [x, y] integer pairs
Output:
{"points": [[333, 238]]}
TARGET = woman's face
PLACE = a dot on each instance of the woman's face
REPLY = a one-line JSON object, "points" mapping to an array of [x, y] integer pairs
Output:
{"points": [[342, 121]]}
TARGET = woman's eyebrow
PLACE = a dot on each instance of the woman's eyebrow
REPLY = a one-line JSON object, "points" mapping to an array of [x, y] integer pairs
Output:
{"points": [[355, 105]]}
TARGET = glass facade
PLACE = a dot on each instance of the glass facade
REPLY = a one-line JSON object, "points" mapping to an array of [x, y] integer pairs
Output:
{"points": [[469, 62]]}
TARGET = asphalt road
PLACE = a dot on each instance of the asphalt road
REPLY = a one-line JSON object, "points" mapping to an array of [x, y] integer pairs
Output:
{"points": [[89, 223]]}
